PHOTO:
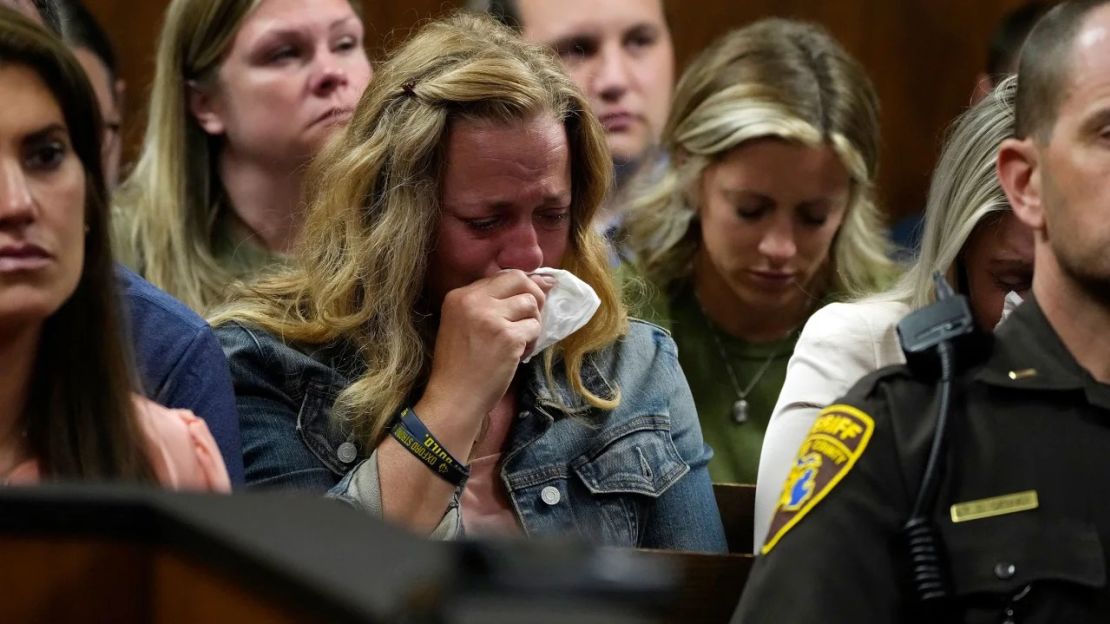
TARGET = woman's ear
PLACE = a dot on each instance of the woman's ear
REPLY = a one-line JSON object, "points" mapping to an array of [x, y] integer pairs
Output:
{"points": [[204, 107], [1019, 173]]}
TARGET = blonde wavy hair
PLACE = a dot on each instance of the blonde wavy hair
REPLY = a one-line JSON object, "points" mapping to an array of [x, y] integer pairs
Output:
{"points": [[774, 78], [963, 192], [373, 206], [169, 204]]}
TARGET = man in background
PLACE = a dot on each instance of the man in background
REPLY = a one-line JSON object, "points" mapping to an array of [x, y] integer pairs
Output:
{"points": [[619, 52]]}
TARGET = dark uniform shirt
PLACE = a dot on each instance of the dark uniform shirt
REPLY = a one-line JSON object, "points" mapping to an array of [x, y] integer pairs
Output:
{"points": [[1027, 475]]}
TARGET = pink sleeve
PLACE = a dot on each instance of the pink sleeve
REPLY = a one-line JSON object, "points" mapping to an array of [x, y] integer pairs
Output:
{"points": [[181, 449]]}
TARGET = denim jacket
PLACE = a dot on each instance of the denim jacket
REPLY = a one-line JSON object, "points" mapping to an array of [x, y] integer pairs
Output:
{"points": [[635, 476]]}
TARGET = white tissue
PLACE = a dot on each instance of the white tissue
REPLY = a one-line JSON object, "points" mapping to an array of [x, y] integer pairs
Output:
{"points": [[570, 304], [1012, 301]]}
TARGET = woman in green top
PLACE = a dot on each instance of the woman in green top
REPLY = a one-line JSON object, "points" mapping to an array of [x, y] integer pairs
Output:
{"points": [[245, 93], [766, 211]]}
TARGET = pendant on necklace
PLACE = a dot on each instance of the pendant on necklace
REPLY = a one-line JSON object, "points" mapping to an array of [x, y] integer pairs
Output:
{"points": [[740, 411]]}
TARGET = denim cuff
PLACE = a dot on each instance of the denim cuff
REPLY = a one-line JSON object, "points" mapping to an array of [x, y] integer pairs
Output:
{"points": [[361, 488]]}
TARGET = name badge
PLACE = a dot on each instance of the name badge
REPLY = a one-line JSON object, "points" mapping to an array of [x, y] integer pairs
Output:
{"points": [[994, 506]]}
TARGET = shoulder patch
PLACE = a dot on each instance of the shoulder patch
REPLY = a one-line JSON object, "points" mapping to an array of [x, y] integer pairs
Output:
{"points": [[833, 445]]}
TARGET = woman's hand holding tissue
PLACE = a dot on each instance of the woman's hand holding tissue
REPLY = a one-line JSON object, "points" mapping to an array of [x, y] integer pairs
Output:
{"points": [[485, 329]]}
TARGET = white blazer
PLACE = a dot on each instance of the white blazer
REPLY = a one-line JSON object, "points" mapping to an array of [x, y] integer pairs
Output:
{"points": [[840, 343]]}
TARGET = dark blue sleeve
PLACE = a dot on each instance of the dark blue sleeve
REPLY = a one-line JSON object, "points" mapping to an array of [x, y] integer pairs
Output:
{"points": [[180, 363], [200, 381]]}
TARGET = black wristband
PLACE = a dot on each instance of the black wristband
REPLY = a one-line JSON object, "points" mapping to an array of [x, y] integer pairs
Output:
{"points": [[414, 436]]}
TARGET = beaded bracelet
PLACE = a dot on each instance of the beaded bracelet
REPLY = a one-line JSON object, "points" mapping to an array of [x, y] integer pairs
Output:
{"points": [[414, 436]]}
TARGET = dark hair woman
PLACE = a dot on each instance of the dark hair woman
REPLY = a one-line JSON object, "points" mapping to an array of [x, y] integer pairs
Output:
{"points": [[66, 406]]}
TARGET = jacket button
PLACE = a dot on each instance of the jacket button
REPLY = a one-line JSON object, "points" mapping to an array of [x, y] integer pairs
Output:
{"points": [[347, 452], [551, 495], [1005, 571]]}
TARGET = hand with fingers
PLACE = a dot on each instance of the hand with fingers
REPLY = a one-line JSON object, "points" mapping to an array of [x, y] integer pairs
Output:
{"points": [[485, 329]]}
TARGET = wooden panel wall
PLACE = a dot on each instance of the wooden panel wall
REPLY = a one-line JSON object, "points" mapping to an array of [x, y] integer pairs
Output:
{"points": [[922, 54]]}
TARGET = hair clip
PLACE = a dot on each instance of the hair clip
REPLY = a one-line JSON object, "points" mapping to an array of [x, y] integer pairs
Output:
{"points": [[409, 88]]}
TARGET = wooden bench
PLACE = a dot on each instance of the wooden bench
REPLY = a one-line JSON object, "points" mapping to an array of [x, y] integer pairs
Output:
{"points": [[736, 503]]}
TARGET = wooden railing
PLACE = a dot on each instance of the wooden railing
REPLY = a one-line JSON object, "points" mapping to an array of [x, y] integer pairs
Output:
{"points": [[126, 575]]}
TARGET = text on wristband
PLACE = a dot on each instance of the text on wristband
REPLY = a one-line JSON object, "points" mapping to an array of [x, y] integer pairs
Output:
{"points": [[428, 451]]}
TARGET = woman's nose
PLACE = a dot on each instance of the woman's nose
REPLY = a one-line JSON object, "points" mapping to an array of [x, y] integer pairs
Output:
{"points": [[521, 249], [330, 76], [778, 243], [17, 206]]}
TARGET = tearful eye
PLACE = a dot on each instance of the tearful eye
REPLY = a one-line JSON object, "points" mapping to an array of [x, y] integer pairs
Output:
{"points": [[482, 225], [554, 219]]}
